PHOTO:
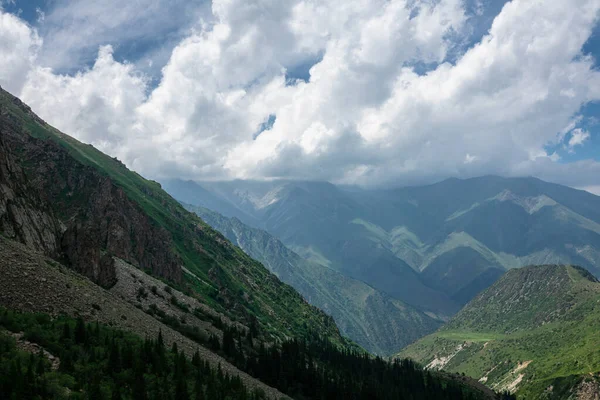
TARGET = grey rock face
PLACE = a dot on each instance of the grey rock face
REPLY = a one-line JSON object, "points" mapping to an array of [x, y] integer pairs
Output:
{"points": [[62, 208]]}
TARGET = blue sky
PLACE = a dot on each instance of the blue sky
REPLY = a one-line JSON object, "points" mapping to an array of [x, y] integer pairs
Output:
{"points": [[134, 37], [364, 135]]}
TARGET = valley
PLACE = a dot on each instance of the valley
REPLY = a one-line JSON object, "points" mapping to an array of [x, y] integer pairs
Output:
{"points": [[374, 320]]}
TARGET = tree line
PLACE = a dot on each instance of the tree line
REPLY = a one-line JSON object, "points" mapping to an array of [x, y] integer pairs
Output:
{"points": [[98, 362]]}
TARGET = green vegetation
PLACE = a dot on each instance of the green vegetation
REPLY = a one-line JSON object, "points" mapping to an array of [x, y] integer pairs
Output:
{"points": [[98, 362], [314, 368], [469, 336], [92, 361], [536, 328]]}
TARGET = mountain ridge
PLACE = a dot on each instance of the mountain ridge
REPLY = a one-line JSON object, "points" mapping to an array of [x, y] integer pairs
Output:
{"points": [[93, 209]]}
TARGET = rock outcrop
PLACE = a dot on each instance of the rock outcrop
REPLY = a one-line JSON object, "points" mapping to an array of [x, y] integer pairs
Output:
{"points": [[67, 210]]}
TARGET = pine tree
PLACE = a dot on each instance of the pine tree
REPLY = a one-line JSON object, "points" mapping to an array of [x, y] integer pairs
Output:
{"points": [[94, 392], [40, 363], [160, 343], [198, 389], [80, 331], [116, 393], [66, 333], [114, 358], [181, 390], [196, 359]]}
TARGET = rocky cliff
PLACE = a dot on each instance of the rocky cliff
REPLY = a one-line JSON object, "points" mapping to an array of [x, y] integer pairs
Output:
{"points": [[69, 211]]}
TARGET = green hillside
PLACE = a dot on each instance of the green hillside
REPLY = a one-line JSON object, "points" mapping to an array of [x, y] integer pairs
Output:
{"points": [[534, 332], [374, 320], [210, 267], [64, 358]]}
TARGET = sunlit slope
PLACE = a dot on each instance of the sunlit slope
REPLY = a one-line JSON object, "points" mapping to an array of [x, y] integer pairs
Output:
{"points": [[534, 331]]}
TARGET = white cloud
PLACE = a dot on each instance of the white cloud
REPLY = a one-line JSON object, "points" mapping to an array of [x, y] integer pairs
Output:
{"points": [[578, 137], [74, 29], [19, 45], [96, 106], [470, 159], [4, 3], [41, 15], [592, 189], [365, 116], [570, 126]]}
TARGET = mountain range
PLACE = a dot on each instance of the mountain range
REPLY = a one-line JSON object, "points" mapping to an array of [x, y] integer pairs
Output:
{"points": [[83, 236], [431, 247], [378, 322]]}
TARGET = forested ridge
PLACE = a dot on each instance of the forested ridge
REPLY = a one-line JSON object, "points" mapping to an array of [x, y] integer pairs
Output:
{"points": [[99, 362]]}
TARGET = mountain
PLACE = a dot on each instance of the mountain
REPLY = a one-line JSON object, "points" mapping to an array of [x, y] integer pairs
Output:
{"points": [[434, 247], [93, 257], [36, 285], [327, 225], [77, 205], [374, 320], [533, 332]]}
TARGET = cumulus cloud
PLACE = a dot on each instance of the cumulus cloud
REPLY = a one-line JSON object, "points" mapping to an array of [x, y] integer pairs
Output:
{"points": [[74, 29], [19, 46], [578, 137], [366, 114], [96, 106], [592, 189]]}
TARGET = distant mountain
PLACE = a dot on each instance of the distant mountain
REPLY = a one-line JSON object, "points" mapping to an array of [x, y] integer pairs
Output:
{"points": [[533, 332], [374, 320], [434, 247], [327, 225]]}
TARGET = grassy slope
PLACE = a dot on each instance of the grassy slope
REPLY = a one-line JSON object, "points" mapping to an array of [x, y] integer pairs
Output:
{"points": [[253, 289], [548, 315]]}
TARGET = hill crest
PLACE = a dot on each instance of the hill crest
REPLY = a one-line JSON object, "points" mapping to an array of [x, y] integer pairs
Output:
{"points": [[534, 331]]}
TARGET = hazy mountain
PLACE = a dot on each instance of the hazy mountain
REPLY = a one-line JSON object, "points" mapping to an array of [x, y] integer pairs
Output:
{"points": [[535, 331], [374, 320], [434, 246], [327, 225]]}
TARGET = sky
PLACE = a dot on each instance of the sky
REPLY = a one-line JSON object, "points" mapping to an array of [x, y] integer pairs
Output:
{"points": [[376, 93]]}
